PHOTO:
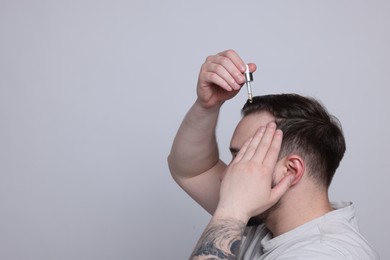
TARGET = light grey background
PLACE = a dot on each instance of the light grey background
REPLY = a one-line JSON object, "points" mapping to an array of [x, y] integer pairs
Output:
{"points": [[92, 92]]}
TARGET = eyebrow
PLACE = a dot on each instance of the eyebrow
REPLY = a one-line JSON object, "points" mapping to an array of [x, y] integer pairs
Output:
{"points": [[234, 150]]}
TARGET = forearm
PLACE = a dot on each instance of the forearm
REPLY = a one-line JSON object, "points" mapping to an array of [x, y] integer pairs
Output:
{"points": [[195, 149], [220, 240]]}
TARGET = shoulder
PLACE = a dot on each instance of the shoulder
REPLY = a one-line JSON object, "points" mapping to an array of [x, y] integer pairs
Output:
{"points": [[340, 234], [333, 240], [328, 249], [333, 236]]}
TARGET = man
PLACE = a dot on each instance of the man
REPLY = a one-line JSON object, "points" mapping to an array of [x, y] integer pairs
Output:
{"points": [[271, 202]]}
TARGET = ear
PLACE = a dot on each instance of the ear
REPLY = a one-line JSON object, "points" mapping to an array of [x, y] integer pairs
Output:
{"points": [[295, 166]]}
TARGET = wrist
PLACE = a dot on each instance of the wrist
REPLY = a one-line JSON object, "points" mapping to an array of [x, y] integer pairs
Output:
{"points": [[207, 108], [231, 213]]}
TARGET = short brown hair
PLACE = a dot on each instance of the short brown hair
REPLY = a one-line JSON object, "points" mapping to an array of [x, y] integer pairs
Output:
{"points": [[308, 130]]}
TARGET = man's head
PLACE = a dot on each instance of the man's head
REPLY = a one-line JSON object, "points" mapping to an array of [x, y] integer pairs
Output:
{"points": [[309, 131]]}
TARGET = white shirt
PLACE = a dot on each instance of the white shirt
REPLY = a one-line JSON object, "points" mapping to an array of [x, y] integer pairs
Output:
{"points": [[334, 235]]}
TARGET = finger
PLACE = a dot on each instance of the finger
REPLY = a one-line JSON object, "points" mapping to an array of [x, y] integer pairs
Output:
{"points": [[265, 143], [239, 63], [233, 70], [236, 59], [252, 67], [221, 71], [242, 151], [273, 151], [252, 147], [281, 188], [217, 80]]}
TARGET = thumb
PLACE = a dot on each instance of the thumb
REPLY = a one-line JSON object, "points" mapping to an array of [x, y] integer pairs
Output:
{"points": [[281, 188], [252, 67]]}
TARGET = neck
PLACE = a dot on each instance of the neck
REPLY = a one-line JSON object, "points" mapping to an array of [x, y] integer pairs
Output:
{"points": [[296, 209]]}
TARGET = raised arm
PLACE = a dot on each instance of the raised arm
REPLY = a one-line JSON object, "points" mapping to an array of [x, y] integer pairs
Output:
{"points": [[194, 158], [246, 191]]}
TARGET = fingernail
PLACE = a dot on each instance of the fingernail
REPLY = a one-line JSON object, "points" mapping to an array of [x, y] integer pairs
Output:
{"points": [[262, 129], [278, 132], [272, 125]]}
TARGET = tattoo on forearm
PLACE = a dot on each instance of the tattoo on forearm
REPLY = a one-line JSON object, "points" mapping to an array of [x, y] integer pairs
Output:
{"points": [[220, 240]]}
